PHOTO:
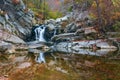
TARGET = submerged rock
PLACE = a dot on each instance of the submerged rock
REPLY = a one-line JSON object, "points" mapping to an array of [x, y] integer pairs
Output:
{"points": [[24, 65]]}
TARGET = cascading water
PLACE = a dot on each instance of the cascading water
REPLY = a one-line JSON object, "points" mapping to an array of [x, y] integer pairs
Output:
{"points": [[40, 58], [39, 33], [55, 31]]}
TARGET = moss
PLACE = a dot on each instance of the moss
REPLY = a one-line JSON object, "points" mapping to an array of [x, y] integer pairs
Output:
{"points": [[116, 26], [54, 14], [70, 9]]}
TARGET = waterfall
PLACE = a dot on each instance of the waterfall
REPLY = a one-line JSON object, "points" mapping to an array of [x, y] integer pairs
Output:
{"points": [[55, 31], [41, 58], [39, 33]]}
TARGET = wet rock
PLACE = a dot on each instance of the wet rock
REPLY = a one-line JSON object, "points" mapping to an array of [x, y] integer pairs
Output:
{"points": [[38, 45], [51, 26], [34, 50]]}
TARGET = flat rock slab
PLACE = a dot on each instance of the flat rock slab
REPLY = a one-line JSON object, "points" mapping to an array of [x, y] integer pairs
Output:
{"points": [[8, 37], [36, 44], [15, 39]]}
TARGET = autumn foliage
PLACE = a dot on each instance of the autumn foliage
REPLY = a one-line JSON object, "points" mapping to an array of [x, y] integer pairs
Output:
{"points": [[107, 10], [15, 1]]}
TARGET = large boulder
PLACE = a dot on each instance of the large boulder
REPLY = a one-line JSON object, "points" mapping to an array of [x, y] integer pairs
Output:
{"points": [[9, 43], [16, 18], [4, 36]]}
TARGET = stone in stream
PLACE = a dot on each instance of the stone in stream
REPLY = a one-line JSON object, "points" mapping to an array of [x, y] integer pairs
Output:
{"points": [[85, 47]]}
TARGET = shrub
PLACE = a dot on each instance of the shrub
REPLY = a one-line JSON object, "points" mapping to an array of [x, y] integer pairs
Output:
{"points": [[116, 26]]}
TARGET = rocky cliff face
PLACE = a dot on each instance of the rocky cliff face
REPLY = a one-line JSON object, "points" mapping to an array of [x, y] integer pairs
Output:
{"points": [[15, 18]]}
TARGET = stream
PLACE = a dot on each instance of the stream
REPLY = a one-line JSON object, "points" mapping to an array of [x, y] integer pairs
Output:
{"points": [[37, 64]]}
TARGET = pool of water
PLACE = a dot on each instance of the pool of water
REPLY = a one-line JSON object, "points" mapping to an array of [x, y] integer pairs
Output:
{"points": [[51, 65]]}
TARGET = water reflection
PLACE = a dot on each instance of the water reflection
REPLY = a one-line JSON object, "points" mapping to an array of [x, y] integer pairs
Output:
{"points": [[66, 51], [72, 63], [40, 58], [77, 50]]}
